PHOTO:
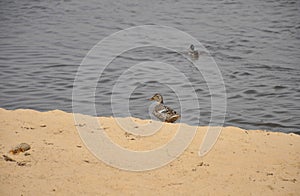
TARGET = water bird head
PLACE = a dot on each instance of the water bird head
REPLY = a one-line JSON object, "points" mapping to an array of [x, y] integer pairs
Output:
{"points": [[157, 97], [192, 47]]}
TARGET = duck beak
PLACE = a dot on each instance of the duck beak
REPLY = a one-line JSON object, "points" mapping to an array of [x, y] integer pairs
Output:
{"points": [[151, 99]]}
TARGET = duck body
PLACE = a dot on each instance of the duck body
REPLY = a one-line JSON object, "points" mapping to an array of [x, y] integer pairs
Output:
{"points": [[163, 112], [192, 52]]}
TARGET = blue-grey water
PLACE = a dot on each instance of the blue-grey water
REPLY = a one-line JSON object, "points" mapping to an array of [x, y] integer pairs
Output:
{"points": [[256, 45]]}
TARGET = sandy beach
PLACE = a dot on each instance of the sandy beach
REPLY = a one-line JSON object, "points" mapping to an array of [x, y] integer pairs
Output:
{"points": [[252, 162]]}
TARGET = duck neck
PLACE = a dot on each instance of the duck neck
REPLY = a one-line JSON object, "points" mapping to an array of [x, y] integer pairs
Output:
{"points": [[161, 101]]}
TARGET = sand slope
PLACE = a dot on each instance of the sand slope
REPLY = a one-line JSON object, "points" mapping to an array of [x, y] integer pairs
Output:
{"points": [[241, 163]]}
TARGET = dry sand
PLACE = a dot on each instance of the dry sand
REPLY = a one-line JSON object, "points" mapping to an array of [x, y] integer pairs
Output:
{"points": [[241, 162]]}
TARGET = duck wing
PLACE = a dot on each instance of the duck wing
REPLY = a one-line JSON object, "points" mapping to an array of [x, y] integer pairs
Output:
{"points": [[168, 110], [165, 113]]}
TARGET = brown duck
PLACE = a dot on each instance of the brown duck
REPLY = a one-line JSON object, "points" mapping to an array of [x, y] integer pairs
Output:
{"points": [[162, 112]]}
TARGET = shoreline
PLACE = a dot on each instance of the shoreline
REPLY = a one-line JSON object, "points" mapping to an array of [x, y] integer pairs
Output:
{"points": [[242, 162]]}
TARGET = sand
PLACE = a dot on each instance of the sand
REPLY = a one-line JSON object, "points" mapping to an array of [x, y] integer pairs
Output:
{"points": [[242, 162]]}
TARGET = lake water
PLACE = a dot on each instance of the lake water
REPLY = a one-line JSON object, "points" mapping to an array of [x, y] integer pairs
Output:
{"points": [[256, 45]]}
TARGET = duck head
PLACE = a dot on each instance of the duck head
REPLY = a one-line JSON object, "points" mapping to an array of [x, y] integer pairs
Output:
{"points": [[192, 47], [157, 97]]}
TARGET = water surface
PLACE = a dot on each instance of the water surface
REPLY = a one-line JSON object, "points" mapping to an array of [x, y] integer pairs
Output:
{"points": [[256, 45]]}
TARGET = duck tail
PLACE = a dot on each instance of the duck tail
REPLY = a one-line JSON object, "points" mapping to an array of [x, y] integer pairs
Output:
{"points": [[173, 118]]}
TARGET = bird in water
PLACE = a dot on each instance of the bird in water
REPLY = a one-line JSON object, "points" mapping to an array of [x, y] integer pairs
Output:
{"points": [[192, 52], [162, 112]]}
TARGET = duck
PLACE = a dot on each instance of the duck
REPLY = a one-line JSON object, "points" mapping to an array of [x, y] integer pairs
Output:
{"points": [[162, 112], [192, 52]]}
